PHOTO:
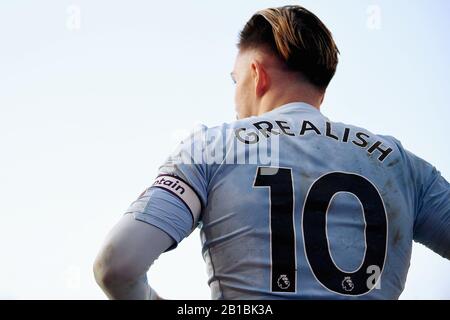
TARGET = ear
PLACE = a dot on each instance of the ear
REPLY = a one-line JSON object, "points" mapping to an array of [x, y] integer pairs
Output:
{"points": [[261, 78]]}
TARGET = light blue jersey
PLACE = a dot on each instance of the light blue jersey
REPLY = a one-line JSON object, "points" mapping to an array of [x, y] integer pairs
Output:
{"points": [[291, 205]]}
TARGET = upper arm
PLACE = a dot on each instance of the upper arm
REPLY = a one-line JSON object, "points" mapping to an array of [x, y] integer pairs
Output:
{"points": [[130, 249], [159, 219]]}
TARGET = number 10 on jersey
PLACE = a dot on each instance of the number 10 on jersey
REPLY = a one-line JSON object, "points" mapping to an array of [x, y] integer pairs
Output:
{"points": [[283, 241]]}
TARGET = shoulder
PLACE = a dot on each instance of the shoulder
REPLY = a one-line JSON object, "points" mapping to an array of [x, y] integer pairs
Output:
{"points": [[228, 130]]}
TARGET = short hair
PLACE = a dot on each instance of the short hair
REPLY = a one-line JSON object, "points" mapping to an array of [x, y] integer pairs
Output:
{"points": [[298, 37]]}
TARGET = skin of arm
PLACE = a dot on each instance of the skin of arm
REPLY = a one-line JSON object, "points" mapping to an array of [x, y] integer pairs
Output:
{"points": [[121, 266]]}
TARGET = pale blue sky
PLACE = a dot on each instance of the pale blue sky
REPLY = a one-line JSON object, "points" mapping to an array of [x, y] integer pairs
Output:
{"points": [[88, 111]]}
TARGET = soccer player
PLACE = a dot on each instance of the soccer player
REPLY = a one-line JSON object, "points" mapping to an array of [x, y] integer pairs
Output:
{"points": [[290, 204]]}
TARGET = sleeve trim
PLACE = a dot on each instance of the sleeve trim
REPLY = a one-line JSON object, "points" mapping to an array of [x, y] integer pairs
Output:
{"points": [[162, 225]]}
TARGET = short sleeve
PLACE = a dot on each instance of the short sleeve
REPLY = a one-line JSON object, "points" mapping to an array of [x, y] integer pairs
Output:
{"points": [[175, 200], [432, 220]]}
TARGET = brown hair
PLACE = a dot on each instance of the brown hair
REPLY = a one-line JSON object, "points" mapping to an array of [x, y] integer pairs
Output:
{"points": [[298, 37]]}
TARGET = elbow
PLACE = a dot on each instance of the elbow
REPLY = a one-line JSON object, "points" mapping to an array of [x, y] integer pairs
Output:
{"points": [[109, 271], [103, 273]]}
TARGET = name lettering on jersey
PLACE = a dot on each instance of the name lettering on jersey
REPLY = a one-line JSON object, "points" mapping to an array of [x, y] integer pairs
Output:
{"points": [[364, 140]]}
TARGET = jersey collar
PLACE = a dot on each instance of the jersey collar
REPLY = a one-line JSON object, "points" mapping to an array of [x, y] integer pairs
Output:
{"points": [[294, 107]]}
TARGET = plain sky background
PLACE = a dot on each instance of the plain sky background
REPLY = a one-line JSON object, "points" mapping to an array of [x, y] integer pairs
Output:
{"points": [[95, 94]]}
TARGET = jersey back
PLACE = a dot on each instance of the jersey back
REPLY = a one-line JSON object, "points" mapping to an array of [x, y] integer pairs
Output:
{"points": [[326, 210], [292, 205]]}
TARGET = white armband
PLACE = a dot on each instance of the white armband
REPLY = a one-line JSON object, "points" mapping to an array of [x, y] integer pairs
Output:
{"points": [[183, 191]]}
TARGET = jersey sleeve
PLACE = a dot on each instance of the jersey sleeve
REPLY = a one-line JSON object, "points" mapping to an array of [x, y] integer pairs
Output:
{"points": [[432, 220], [175, 200]]}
